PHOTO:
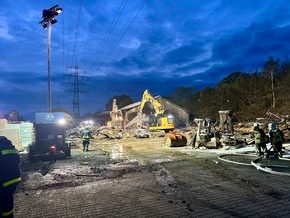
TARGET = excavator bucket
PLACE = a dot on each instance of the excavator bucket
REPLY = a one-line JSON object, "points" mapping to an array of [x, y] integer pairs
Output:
{"points": [[175, 139]]}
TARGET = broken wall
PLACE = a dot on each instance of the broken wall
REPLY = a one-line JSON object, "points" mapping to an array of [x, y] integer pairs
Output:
{"points": [[181, 116]]}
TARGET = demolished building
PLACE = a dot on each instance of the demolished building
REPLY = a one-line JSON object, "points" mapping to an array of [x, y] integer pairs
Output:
{"points": [[181, 115], [129, 112]]}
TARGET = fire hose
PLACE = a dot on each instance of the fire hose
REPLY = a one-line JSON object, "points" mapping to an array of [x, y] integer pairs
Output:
{"points": [[257, 165]]}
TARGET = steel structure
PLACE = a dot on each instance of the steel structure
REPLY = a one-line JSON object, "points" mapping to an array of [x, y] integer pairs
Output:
{"points": [[48, 20], [75, 80]]}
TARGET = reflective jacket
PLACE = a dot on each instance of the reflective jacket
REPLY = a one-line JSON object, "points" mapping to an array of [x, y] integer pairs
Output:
{"points": [[259, 135], [276, 135], [86, 135], [9, 162]]}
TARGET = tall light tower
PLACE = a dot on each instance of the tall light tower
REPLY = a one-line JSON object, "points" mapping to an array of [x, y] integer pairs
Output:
{"points": [[48, 20]]}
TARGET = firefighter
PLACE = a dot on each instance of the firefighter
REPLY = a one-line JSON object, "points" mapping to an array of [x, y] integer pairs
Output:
{"points": [[9, 176], [260, 140], [86, 136], [276, 138]]}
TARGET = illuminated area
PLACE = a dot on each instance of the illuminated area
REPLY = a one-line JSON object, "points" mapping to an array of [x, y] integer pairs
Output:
{"points": [[61, 121], [87, 123], [170, 118]]}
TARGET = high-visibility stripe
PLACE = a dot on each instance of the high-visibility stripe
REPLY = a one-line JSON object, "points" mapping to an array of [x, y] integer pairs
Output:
{"points": [[9, 151], [11, 182], [7, 213]]}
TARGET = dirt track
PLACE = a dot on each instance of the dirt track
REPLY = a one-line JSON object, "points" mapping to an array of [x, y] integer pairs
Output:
{"points": [[197, 180]]}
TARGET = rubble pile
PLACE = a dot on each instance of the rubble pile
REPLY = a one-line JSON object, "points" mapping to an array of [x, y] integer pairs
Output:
{"points": [[241, 135], [105, 132], [281, 121], [244, 128], [140, 133]]}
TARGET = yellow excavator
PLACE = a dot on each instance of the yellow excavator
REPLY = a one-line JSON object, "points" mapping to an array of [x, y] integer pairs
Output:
{"points": [[161, 122]]}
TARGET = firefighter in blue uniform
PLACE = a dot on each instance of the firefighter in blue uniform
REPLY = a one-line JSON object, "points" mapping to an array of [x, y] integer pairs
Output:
{"points": [[9, 176], [86, 136]]}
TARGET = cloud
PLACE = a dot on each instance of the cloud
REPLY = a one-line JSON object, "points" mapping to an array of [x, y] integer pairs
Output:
{"points": [[183, 54], [169, 44], [4, 31]]}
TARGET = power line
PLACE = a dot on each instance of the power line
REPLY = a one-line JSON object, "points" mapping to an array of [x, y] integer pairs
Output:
{"points": [[77, 30], [69, 33], [125, 29], [91, 39], [75, 80], [109, 31], [154, 28], [132, 21]]}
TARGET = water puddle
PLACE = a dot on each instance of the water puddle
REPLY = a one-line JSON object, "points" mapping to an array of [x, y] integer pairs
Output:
{"points": [[117, 152]]}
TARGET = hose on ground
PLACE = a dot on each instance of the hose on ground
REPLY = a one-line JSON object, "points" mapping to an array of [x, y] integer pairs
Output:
{"points": [[268, 169], [234, 162], [257, 165]]}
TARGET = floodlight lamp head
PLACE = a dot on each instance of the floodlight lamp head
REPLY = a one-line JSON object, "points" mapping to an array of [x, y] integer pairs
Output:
{"points": [[43, 23], [56, 9], [45, 14], [59, 10], [53, 21]]}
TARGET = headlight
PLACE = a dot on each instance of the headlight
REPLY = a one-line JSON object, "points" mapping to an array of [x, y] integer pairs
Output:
{"points": [[62, 122]]}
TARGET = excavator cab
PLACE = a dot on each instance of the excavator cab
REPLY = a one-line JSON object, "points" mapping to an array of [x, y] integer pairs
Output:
{"points": [[162, 123]]}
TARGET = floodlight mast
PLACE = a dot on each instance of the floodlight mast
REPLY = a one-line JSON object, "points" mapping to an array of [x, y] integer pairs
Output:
{"points": [[48, 20]]}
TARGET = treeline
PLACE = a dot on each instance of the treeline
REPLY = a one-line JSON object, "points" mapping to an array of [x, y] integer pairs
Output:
{"points": [[249, 95]]}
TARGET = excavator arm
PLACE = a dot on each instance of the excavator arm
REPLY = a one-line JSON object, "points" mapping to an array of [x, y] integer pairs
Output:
{"points": [[148, 97], [145, 98]]}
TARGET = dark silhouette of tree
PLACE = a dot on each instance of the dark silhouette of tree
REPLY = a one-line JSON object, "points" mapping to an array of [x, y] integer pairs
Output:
{"points": [[233, 77], [247, 95], [181, 96], [122, 101]]}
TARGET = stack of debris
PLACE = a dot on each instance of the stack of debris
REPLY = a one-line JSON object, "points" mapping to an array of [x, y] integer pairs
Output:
{"points": [[281, 121], [105, 132]]}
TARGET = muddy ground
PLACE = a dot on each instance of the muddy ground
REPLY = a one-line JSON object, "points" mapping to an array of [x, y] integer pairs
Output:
{"points": [[196, 178], [105, 159]]}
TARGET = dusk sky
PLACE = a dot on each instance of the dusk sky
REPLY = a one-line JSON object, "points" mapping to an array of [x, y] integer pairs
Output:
{"points": [[128, 46]]}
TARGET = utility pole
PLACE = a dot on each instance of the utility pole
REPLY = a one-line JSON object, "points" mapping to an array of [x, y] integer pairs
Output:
{"points": [[75, 80]]}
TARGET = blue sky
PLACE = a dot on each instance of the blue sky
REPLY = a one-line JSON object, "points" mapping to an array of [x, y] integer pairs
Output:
{"points": [[126, 46]]}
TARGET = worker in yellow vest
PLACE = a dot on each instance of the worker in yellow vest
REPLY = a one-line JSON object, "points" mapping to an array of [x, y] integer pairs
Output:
{"points": [[9, 176], [260, 140], [86, 136]]}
